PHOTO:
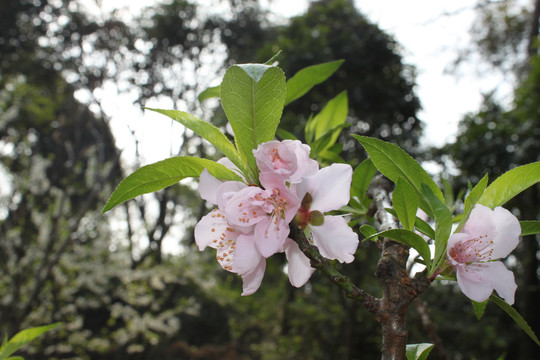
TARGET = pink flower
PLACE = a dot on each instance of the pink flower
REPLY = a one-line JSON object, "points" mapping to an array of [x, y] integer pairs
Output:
{"points": [[288, 158], [235, 250], [268, 210], [487, 235], [327, 190], [299, 268]]}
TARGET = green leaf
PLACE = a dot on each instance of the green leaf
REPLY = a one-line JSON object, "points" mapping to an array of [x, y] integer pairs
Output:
{"points": [[333, 114], [326, 140], [22, 338], [394, 163], [367, 230], [211, 92], [252, 96], [509, 184], [529, 227], [408, 238], [308, 77], [479, 308], [424, 228], [208, 132], [405, 203], [443, 225], [362, 176], [418, 351], [516, 316], [273, 58], [472, 199], [284, 134], [165, 173]]}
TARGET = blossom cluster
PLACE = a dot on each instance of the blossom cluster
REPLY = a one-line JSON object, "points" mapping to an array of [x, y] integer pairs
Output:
{"points": [[251, 223]]}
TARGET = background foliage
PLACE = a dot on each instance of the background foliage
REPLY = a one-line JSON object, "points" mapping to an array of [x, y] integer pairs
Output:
{"points": [[109, 281]]}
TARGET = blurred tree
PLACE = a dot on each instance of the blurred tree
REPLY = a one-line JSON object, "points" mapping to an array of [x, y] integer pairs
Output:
{"points": [[498, 138]]}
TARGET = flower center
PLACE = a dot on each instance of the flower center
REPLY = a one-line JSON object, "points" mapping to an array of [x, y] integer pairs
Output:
{"points": [[225, 246], [478, 249]]}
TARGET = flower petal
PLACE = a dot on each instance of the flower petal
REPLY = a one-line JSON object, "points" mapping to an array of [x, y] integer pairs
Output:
{"points": [[335, 239], [210, 228], [208, 186], [330, 187], [252, 280], [477, 281], [507, 229], [480, 223], [299, 268], [246, 255], [270, 235]]}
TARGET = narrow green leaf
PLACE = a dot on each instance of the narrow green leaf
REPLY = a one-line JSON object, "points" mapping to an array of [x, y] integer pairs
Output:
{"points": [[326, 140], [211, 92], [529, 227], [405, 203], [394, 163], [208, 132], [424, 228], [15, 358], [479, 308], [367, 230], [284, 134], [509, 184], [252, 96], [308, 77], [165, 173], [22, 338], [418, 351], [332, 115], [273, 58], [362, 176], [516, 316], [472, 199], [411, 239], [443, 225]]}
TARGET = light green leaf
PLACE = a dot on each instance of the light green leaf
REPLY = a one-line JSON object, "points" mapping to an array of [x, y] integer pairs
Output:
{"points": [[367, 230], [408, 238], [529, 227], [418, 351], [516, 316], [22, 338], [273, 58], [394, 163], [479, 308], [165, 173], [405, 203], [333, 114], [362, 176], [326, 140], [211, 92], [208, 132], [509, 184], [308, 77], [252, 96], [472, 199], [443, 225]]}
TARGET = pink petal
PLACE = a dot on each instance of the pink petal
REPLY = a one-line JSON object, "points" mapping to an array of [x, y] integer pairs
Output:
{"points": [[208, 186], [209, 229], [246, 255], [507, 229], [299, 268], [480, 223], [330, 187], [226, 191], [252, 281], [270, 235], [335, 239], [477, 281], [241, 209]]}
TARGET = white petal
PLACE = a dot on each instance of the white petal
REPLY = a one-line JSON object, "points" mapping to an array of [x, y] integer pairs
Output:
{"points": [[480, 223], [508, 231], [335, 239], [299, 269], [477, 281], [208, 186], [209, 229], [246, 255], [252, 281], [270, 235], [502, 280], [330, 188]]}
